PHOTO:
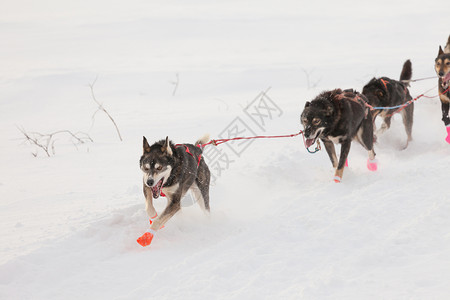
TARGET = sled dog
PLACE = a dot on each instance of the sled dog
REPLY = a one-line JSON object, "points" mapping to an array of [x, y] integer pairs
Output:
{"points": [[442, 68], [337, 117], [172, 170], [387, 92]]}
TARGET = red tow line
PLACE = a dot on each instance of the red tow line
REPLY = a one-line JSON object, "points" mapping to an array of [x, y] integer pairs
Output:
{"points": [[217, 142]]}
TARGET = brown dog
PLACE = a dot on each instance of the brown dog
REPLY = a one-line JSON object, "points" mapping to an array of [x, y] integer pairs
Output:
{"points": [[442, 68]]}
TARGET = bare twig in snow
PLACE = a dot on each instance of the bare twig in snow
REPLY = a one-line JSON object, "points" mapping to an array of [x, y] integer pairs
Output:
{"points": [[101, 108], [46, 142], [310, 84]]}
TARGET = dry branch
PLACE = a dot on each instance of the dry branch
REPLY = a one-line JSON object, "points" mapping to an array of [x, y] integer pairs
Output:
{"points": [[46, 142], [309, 83], [101, 108]]}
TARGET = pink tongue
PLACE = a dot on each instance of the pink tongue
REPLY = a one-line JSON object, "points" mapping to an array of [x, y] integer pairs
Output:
{"points": [[447, 77], [155, 191], [309, 142]]}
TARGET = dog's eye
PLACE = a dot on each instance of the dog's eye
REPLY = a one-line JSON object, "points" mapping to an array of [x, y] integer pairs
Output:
{"points": [[159, 168], [448, 63], [316, 121]]}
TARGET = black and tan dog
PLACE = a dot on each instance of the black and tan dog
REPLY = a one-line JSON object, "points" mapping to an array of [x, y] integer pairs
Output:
{"points": [[172, 170], [442, 68], [387, 92], [337, 117]]}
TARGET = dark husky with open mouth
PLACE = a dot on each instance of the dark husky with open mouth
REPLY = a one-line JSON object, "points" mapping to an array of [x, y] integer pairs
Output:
{"points": [[337, 117], [172, 170]]}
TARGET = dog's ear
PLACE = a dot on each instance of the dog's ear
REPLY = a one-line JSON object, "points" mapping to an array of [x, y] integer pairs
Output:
{"points": [[146, 146], [307, 104], [166, 147], [440, 51]]}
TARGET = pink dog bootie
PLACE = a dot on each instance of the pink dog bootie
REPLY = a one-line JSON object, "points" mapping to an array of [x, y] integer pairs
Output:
{"points": [[372, 164], [146, 238], [447, 139]]}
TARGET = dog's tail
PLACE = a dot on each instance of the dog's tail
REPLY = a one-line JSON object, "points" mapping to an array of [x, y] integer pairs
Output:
{"points": [[406, 74], [203, 140], [447, 47]]}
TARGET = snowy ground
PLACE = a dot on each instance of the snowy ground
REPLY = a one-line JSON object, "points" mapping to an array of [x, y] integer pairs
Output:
{"points": [[280, 228]]}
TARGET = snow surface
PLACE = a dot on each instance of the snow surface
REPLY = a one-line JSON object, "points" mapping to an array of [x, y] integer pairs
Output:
{"points": [[279, 228]]}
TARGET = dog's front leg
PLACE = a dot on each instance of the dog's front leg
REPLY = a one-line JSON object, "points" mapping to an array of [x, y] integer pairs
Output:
{"points": [[446, 119], [345, 149], [151, 212], [329, 146], [173, 206], [445, 107]]}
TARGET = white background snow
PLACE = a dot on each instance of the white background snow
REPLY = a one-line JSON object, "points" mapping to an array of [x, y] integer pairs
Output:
{"points": [[279, 228]]}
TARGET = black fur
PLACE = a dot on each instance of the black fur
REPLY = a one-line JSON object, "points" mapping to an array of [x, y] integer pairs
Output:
{"points": [[387, 92], [338, 117]]}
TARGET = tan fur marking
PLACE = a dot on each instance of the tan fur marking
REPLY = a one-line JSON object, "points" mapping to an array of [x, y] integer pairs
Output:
{"points": [[372, 154], [444, 98], [170, 190], [151, 212], [335, 159], [446, 66], [198, 196]]}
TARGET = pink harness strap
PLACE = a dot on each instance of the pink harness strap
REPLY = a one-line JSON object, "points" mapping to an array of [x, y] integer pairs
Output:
{"points": [[384, 82], [188, 151]]}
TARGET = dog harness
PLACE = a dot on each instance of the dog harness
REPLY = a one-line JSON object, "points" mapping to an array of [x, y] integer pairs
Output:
{"points": [[384, 82], [354, 96], [189, 152]]}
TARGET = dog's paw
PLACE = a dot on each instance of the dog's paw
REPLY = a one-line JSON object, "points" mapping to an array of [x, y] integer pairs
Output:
{"points": [[146, 238], [372, 164], [337, 179]]}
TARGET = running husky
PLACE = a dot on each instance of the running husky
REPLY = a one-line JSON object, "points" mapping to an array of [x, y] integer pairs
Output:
{"points": [[442, 68], [171, 170], [337, 117], [387, 92]]}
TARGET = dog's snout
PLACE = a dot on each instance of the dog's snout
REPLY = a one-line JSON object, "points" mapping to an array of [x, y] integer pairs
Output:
{"points": [[150, 182], [441, 73], [307, 131]]}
